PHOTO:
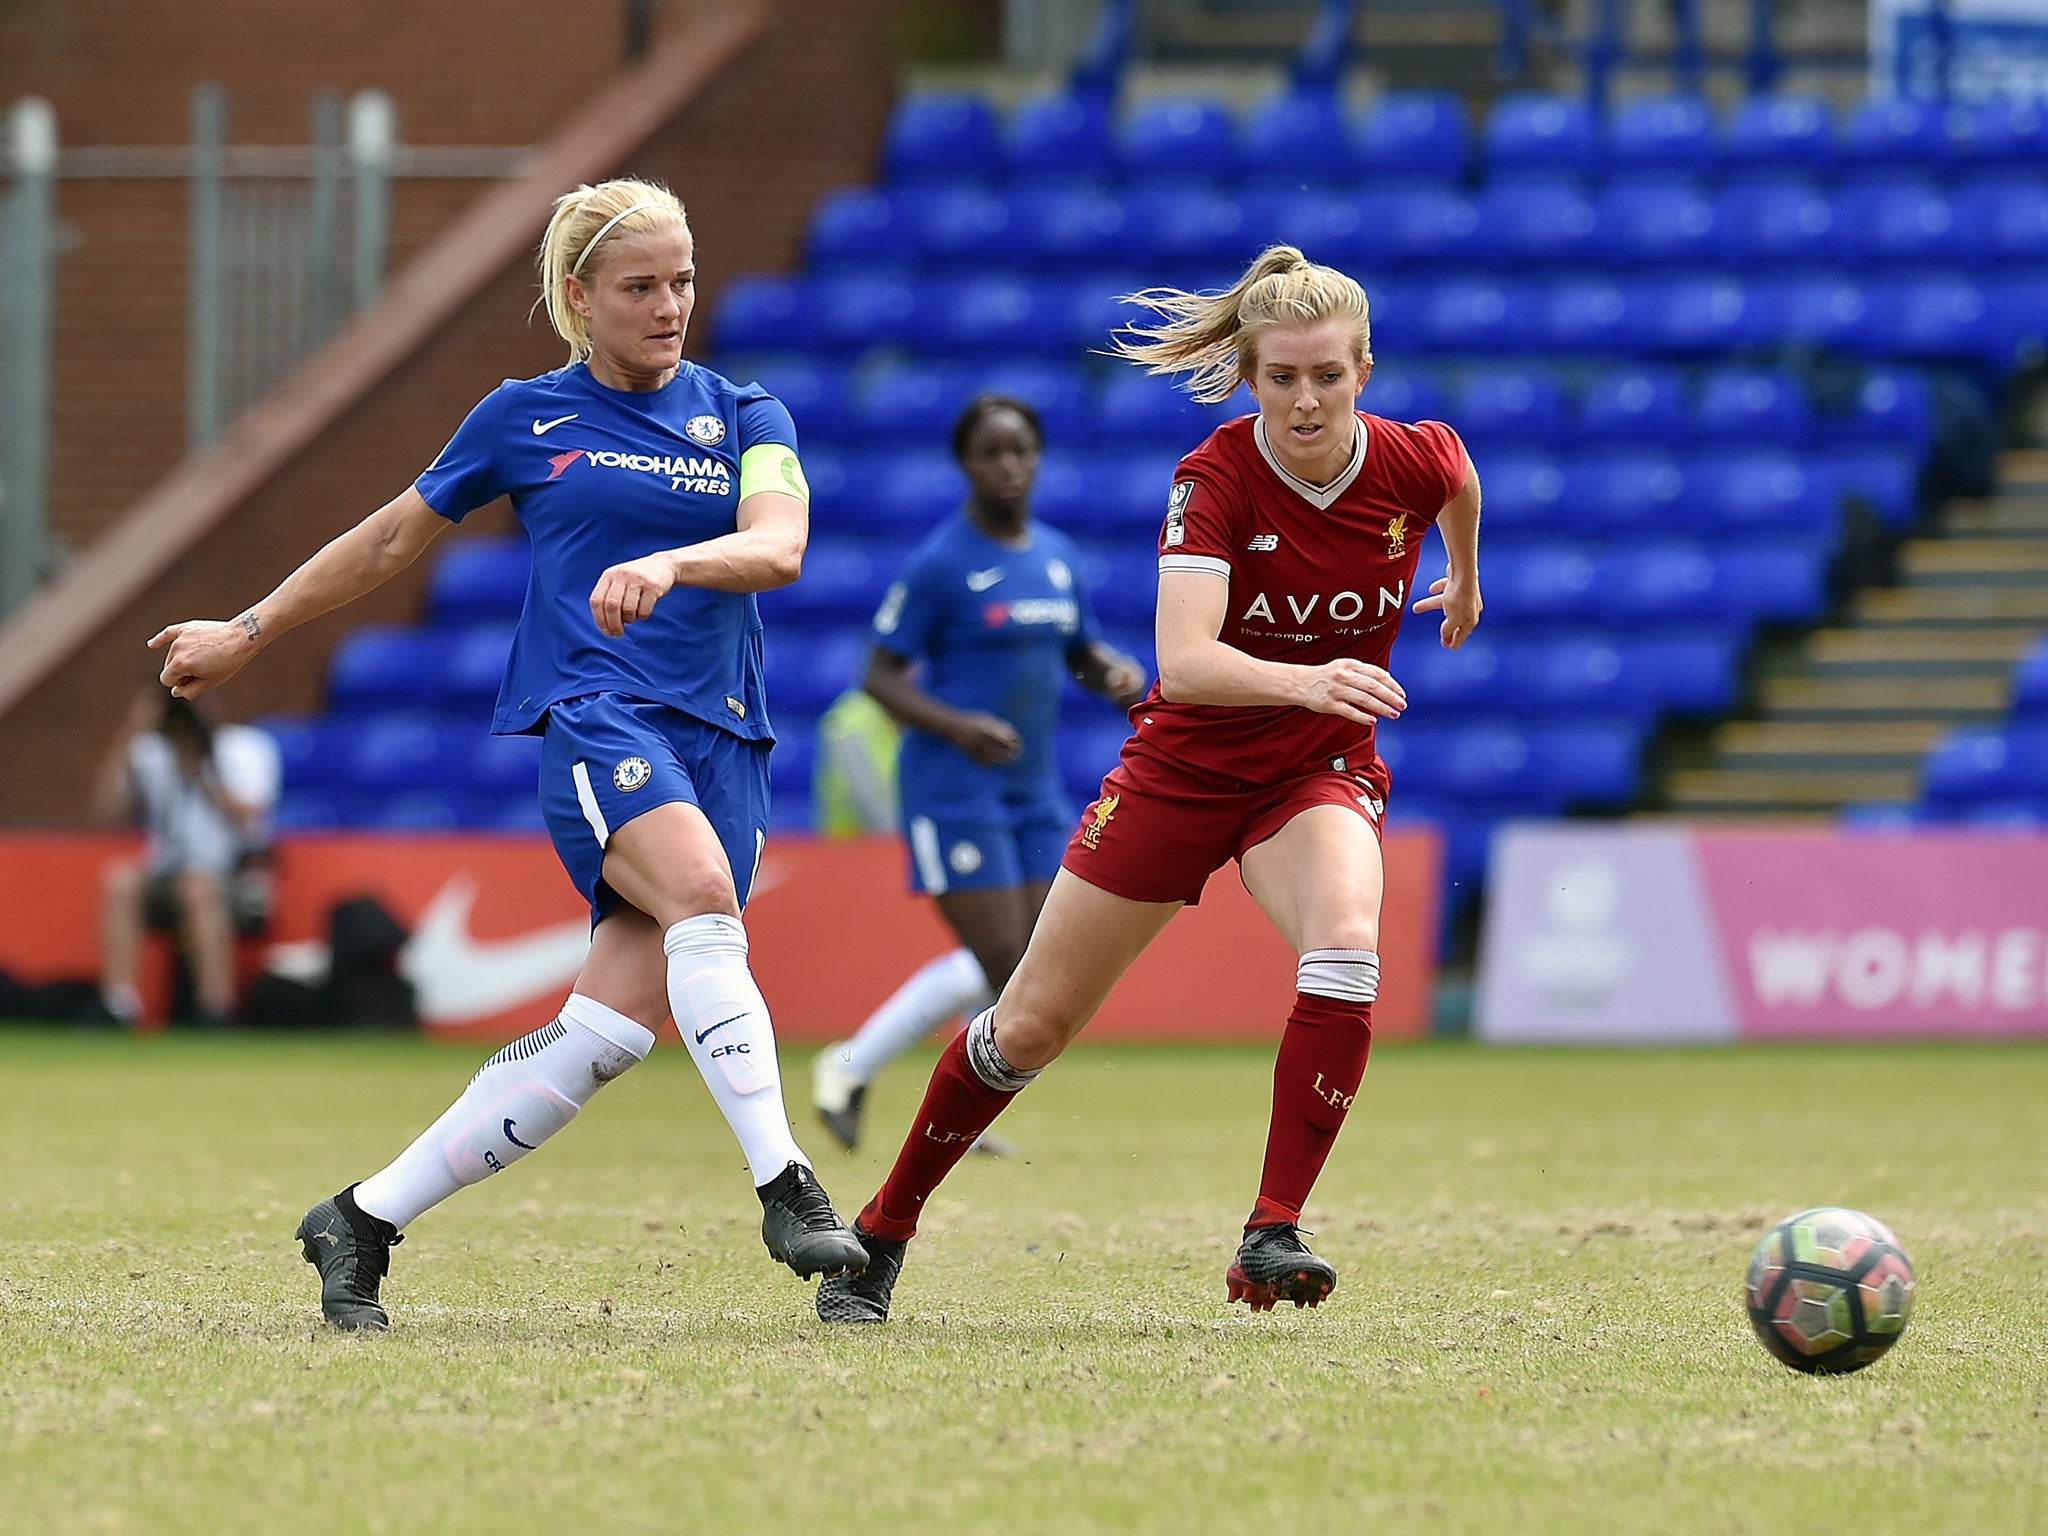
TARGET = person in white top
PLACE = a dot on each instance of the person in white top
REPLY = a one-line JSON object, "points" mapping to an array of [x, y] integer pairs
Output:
{"points": [[202, 794]]}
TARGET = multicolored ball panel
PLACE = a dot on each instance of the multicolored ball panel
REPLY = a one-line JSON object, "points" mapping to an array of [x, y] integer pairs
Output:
{"points": [[1829, 1290]]}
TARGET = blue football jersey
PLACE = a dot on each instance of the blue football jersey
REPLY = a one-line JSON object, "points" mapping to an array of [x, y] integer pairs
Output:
{"points": [[599, 476], [997, 629]]}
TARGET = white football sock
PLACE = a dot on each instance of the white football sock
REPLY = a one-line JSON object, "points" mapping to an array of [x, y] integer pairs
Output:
{"points": [[944, 989], [723, 1019], [516, 1101]]}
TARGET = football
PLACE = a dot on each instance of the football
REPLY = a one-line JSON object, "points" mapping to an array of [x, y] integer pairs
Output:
{"points": [[1829, 1290]]}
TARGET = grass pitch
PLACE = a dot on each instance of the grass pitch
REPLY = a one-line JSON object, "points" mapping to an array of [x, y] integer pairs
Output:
{"points": [[1537, 1329]]}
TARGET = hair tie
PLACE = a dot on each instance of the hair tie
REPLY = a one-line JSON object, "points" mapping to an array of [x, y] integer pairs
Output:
{"points": [[605, 229]]}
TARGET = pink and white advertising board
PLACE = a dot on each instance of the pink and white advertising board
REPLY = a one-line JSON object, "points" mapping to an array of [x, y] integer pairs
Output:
{"points": [[1663, 932]]}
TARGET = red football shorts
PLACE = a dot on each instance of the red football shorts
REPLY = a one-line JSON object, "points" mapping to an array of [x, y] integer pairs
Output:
{"points": [[1159, 830]]}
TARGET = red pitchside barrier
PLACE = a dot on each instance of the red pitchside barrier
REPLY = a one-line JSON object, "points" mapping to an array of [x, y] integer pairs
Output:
{"points": [[498, 932]]}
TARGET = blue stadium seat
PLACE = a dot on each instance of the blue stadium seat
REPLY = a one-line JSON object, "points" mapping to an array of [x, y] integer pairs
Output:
{"points": [[1422, 226], [1550, 582], [1776, 218], [1087, 752], [1094, 308], [1659, 221], [1054, 390], [1524, 494], [388, 667], [1634, 405], [1661, 133], [1187, 138], [1594, 316], [1402, 394], [964, 230], [1122, 581], [912, 490], [843, 582], [1473, 316], [2006, 130], [1491, 762], [1751, 404], [764, 314], [1475, 677], [1819, 311], [1899, 219], [413, 810], [1932, 318], [1689, 673], [309, 750], [1414, 754], [1580, 673], [480, 579], [1896, 131], [1536, 222], [990, 316], [1892, 406], [2026, 814], [1066, 493], [1146, 408], [1185, 226], [1640, 490], [803, 676], [1978, 762], [2030, 681], [1131, 488], [1297, 137], [1588, 765], [911, 402], [1780, 132], [940, 136], [476, 668], [390, 754], [852, 313], [1668, 581], [857, 229], [310, 810], [1747, 491], [1883, 477], [1535, 129], [2004, 218], [1418, 134], [815, 391], [1325, 226], [1780, 580], [516, 814], [1703, 316], [1071, 229], [503, 765], [1511, 405], [841, 488], [1056, 138]]}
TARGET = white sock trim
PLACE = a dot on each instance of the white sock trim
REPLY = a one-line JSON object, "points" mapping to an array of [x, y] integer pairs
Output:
{"points": [[608, 1024], [1345, 975], [987, 1061], [705, 933]]}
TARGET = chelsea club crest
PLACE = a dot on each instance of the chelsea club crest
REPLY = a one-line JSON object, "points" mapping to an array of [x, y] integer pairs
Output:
{"points": [[631, 774], [708, 430]]}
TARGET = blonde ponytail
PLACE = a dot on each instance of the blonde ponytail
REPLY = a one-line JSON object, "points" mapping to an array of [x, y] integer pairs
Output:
{"points": [[582, 222], [1213, 337]]}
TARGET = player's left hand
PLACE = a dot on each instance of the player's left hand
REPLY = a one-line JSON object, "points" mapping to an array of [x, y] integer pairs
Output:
{"points": [[1125, 682], [1457, 599], [628, 592]]}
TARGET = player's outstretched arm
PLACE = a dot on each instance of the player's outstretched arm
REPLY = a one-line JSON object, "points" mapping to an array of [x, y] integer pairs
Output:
{"points": [[1456, 593], [1101, 668], [764, 551], [201, 654], [1195, 667]]}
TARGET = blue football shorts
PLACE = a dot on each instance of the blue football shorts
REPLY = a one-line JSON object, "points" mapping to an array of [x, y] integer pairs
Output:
{"points": [[993, 846], [606, 758]]}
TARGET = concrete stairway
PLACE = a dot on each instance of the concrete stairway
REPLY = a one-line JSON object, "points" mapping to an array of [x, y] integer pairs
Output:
{"points": [[1853, 716]]}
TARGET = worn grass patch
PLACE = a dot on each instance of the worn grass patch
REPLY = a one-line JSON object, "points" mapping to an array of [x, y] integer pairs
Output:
{"points": [[1538, 1326]]}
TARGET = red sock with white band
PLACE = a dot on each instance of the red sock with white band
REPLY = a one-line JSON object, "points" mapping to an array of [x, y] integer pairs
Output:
{"points": [[1317, 1076]]}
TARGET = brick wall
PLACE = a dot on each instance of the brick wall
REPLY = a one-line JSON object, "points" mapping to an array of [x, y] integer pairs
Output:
{"points": [[801, 114]]}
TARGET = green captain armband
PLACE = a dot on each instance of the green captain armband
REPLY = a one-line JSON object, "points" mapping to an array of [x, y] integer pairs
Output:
{"points": [[773, 467]]}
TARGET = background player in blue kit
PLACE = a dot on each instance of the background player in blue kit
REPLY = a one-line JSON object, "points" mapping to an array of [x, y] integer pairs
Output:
{"points": [[992, 606], [659, 498]]}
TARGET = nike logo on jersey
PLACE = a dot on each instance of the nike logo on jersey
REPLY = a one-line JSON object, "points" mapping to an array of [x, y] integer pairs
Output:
{"points": [[542, 428], [981, 581]]}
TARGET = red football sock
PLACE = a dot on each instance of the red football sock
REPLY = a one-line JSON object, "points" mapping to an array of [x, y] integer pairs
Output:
{"points": [[958, 1106], [1322, 1062]]}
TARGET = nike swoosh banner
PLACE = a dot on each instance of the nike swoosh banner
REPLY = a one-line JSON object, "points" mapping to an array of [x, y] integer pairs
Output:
{"points": [[497, 933]]}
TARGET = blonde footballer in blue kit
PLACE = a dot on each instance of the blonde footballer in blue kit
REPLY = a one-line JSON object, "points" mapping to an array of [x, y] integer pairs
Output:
{"points": [[659, 498]]}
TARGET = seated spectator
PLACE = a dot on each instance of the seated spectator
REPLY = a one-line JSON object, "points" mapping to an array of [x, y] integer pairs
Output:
{"points": [[202, 793]]}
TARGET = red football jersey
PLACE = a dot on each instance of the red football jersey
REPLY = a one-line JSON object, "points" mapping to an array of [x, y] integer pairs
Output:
{"points": [[1316, 574]]}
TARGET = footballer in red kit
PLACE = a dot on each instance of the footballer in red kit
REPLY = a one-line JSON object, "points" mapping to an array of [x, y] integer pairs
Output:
{"points": [[1288, 553], [1316, 574]]}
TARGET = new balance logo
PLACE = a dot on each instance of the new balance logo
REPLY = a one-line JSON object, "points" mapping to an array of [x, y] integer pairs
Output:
{"points": [[1264, 543]]}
